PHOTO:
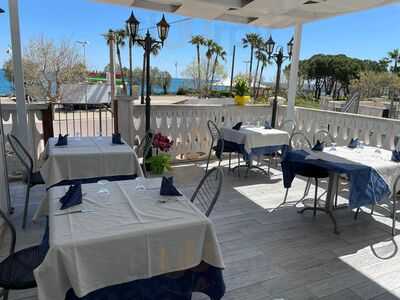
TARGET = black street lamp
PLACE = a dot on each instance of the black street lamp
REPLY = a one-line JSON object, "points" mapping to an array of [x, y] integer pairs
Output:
{"points": [[148, 44], [132, 27], [279, 58]]}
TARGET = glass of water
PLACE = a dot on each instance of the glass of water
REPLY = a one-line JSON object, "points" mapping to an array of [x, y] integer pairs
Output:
{"points": [[103, 189]]}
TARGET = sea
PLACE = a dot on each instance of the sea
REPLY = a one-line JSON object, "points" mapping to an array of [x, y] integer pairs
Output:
{"points": [[6, 87]]}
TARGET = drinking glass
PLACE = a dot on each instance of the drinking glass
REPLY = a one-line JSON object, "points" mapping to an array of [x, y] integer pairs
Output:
{"points": [[333, 147], [103, 189]]}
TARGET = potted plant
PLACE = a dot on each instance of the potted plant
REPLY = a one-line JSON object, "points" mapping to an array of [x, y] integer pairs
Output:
{"points": [[161, 162], [242, 91]]}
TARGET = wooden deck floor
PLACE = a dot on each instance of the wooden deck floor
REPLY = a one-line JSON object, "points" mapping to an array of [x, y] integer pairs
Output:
{"points": [[277, 253]]}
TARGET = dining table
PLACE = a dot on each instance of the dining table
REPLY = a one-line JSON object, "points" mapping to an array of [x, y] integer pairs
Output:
{"points": [[125, 239], [371, 172], [86, 158], [255, 141]]}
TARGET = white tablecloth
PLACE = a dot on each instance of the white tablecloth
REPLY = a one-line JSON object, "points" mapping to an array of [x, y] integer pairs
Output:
{"points": [[256, 137], [128, 234], [88, 157], [381, 162]]}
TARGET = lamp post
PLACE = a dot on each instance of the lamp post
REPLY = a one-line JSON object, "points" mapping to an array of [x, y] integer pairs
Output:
{"points": [[279, 58], [148, 42]]}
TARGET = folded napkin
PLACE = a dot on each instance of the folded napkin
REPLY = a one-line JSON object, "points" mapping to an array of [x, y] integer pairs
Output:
{"points": [[168, 188], [267, 125], [319, 146], [396, 155], [116, 139], [62, 140], [72, 197], [237, 126], [353, 143]]}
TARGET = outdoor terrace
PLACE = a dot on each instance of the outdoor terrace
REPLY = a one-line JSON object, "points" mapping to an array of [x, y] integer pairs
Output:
{"points": [[275, 253]]}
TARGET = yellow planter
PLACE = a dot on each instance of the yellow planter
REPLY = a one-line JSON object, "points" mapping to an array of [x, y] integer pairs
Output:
{"points": [[242, 100]]}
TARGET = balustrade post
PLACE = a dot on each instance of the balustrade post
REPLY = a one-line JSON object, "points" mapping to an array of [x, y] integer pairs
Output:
{"points": [[125, 118], [47, 123]]}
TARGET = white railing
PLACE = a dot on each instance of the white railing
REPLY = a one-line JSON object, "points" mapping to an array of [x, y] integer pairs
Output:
{"points": [[373, 131], [35, 135], [187, 124]]}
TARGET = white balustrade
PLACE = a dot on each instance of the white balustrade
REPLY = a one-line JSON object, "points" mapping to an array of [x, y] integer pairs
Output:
{"points": [[35, 136]]}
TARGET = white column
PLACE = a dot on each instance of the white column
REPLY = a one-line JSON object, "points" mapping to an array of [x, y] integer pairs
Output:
{"points": [[4, 191], [22, 128], [294, 72]]}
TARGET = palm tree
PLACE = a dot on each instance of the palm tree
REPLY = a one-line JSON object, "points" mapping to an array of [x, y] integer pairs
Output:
{"points": [[264, 62], [198, 40], [252, 40], [219, 53], [395, 56], [260, 55], [120, 36], [209, 54]]}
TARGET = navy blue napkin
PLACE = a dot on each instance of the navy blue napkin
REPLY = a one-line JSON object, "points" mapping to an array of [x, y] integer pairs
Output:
{"points": [[72, 197], [62, 140], [168, 188], [267, 125], [319, 146], [237, 126], [353, 143], [116, 139], [396, 155]]}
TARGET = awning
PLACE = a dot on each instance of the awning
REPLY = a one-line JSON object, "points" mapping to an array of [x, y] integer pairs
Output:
{"points": [[268, 13]]}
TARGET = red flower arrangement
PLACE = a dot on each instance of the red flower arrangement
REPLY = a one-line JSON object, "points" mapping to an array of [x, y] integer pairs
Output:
{"points": [[162, 143]]}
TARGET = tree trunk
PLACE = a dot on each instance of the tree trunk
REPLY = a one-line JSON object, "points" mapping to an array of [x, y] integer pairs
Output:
{"points": [[207, 70], [121, 70], [260, 79], [198, 70], [251, 64], [255, 79], [213, 71]]}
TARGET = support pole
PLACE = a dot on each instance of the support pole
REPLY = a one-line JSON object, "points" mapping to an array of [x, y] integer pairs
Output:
{"points": [[22, 124], [233, 67], [294, 73], [112, 80]]}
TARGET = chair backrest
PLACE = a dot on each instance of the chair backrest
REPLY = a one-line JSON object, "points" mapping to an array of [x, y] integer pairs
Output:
{"points": [[215, 133], [22, 154], [145, 144], [298, 140], [7, 235], [208, 191], [323, 136], [289, 126]]}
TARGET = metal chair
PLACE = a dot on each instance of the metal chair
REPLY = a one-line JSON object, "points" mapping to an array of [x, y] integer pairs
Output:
{"points": [[30, 178], [16, 271], [218, 145], [288, 125], [323, 136], [298, 140], [208, 191], [144, 148]]}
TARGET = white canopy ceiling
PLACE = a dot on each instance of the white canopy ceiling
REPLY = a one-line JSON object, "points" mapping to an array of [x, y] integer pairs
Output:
{"points": [[269, 13]]}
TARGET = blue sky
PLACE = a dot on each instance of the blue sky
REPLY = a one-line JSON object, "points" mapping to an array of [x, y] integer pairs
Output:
{"points": [[370, 34]]}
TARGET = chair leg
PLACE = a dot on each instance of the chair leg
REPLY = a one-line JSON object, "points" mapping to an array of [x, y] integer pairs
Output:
{"points": [[286, 195], [5, 295], [28, 188], [316, 197], [208, 159], [372, 209], [238, 165], [337, 193], [394, 216], [230, 160]]}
